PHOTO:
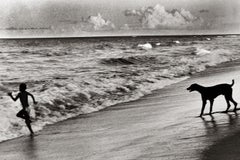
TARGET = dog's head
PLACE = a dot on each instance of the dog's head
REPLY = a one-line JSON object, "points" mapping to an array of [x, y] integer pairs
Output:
{"points": [[193, 87]]}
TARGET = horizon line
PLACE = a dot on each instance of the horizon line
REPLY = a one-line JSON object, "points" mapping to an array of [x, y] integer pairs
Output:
{"points": [[116, 36]]}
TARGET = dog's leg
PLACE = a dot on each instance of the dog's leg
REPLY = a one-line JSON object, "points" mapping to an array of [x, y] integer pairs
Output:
{"points": [[211, 105], [203, 106], [235, 108], [235, 104], [228, 104], [228, 98]]}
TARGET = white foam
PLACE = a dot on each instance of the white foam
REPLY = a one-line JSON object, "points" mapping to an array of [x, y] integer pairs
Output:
{"points": [[177, 42], [145, 46], [201, 51]]}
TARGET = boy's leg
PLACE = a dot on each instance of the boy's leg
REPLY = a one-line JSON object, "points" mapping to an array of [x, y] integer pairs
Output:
{"points": [[26, 116], [29, 126], [28, 121], [21, 114]]}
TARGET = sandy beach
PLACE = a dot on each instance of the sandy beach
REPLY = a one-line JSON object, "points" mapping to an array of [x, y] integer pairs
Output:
{"points": [[164, 125]]}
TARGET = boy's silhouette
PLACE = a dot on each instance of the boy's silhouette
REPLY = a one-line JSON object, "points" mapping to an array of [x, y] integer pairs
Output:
{"points": [[23, 96]]}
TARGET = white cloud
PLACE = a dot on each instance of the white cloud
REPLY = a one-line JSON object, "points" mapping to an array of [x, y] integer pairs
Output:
{"points": [[159, 17], [99, 23]]}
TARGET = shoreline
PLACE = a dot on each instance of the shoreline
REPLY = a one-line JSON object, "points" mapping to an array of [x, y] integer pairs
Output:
{"points": [[155, 107]]}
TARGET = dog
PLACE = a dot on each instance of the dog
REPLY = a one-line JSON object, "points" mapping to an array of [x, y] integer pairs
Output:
{"points": [[210, 93]]}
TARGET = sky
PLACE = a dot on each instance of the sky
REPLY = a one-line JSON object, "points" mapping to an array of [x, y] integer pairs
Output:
{"points": [[101, 17]]}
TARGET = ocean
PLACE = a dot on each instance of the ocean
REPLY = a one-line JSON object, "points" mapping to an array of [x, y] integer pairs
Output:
{"points": [[73, 76]]}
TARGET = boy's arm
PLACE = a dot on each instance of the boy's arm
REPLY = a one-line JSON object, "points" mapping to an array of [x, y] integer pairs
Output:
{"points": [[10, 94], [32, 98]]}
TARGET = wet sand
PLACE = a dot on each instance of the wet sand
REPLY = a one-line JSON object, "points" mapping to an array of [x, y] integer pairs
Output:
{"points": [[163, 125]]}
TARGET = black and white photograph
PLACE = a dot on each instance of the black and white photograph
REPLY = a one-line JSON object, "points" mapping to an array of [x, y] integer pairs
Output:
{"points": [[119, 79]]}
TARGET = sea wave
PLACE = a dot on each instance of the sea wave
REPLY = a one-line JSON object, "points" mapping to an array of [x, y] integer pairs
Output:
{"points": [[131, 60], [86, 81], [60, 101]]}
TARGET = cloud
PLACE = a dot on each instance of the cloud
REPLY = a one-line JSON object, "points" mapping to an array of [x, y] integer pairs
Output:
{"points": [[88, 24], [158, 17], [99, 23], [133, 12]]}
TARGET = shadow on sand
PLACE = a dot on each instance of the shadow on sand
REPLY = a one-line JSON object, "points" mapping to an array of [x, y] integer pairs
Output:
{"points": [[30, 148], [227, 145]]}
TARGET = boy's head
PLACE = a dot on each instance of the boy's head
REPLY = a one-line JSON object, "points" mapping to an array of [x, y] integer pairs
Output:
{"points": [[22, 87]]}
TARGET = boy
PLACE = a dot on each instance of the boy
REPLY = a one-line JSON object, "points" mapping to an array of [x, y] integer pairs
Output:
{"points": [[23, 96]]}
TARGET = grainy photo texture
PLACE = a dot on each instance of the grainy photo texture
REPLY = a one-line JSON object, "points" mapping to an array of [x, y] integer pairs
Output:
{"points": [[119, 79]]}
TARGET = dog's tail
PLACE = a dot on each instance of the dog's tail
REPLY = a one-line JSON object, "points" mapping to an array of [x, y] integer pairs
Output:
{"points": [[232, 83]]}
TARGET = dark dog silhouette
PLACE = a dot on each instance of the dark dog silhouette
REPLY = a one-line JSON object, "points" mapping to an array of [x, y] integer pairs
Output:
{"points": [[210, 93]]}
